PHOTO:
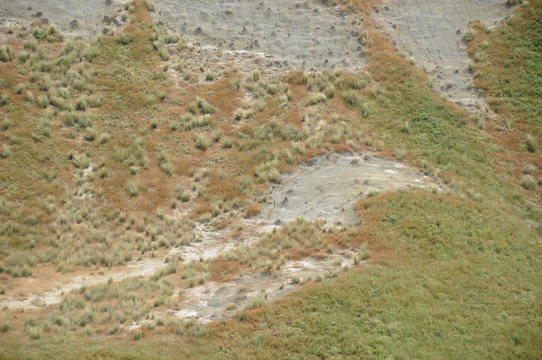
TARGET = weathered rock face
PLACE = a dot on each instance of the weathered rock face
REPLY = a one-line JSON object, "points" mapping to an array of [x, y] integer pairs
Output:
{"points": [[73, 17], [328, 188], [432, 32], [298, 33]]}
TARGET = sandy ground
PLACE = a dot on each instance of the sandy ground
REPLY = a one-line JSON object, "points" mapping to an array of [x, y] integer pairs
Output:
{"points": [[431, 31]]}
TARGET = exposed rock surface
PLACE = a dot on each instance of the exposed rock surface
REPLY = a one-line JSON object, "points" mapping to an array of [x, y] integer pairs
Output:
{"points": [[299, 34], [74, 17], [432, 32], [328, 187]]}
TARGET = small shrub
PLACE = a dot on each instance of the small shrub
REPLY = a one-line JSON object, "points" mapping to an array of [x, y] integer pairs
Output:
{"points": [[211, 76], [34, 333], [41, 131], [469, 35], [259, 106], [531, 143], [202, 106], [329, 91], [94, 101], [125, 39], [6, 54], [42, 101], [164, 53], [271, 89], [23, 57], [6, 151], [81, 104], [227, 143], [316, 99], [104, 138], [358, 82], [4, 99], [149, 6], [235, 84], [132, 189], [90, 134], [172, 39], [30, 97], [19, 88], [217, 136], [80, 161], [351, 98], [528, 182], [30, 45], [202, 142]]}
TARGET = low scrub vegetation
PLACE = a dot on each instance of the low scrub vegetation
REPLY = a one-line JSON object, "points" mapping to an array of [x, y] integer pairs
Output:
{"points": [[122, 150]]}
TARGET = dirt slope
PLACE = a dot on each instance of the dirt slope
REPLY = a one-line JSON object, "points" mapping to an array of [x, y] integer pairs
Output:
{"points": [[432, 33]]}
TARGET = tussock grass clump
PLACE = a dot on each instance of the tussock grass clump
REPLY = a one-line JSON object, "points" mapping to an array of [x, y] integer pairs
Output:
{"points": [[6, 151], [4, 99], [528, 182], [125, 39], [531, 144], [135, 154], [211, 76], [469, 35], [132, 189], [6, 54], [42, 131], [227, 143], [357, 82], [165, 165], [104, 138], [317, 99], [30, 45], [329, 91], [202, 142], [201, 106], [42, 101], [49, 33], [352, 98], [30, 97], [188, 122], [90, 134], [80, 161], [268, 172]]}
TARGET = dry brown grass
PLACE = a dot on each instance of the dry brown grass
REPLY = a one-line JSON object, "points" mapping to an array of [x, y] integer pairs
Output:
{"points": [[498, 71]]}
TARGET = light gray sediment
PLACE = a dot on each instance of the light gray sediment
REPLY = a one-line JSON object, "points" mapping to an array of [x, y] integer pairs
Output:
{"points": [[298, 34], [432, 32], [328, 187], [73, 17]]}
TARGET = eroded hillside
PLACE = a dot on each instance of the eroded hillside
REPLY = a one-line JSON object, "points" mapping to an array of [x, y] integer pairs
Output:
{"points": [[204, 176]]}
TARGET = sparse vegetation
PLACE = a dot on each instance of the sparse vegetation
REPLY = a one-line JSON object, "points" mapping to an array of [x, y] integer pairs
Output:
{"points": [[125, 39], [100, 168]]}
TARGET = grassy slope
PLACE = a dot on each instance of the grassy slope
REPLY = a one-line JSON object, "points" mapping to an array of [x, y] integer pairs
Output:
{"points": [[460, 276], [508, 67]]}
